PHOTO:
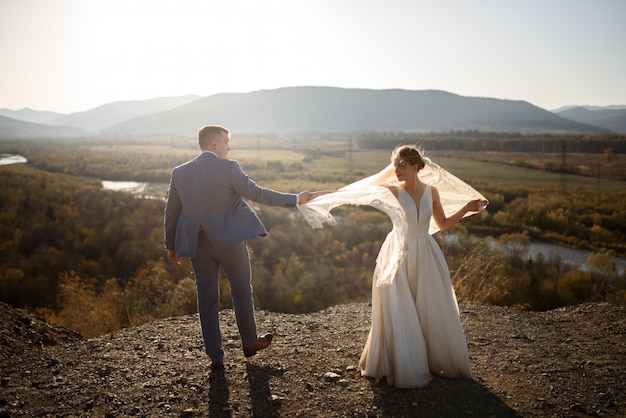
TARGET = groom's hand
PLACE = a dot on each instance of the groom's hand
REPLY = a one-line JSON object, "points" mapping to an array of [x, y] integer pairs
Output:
{"points": [[171, 254]]}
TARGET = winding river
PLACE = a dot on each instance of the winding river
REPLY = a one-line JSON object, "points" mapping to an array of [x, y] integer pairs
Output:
{"points": [[6, 159]]}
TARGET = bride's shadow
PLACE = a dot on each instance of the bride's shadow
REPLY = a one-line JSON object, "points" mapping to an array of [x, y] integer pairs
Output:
{"points": [[441, 398]]}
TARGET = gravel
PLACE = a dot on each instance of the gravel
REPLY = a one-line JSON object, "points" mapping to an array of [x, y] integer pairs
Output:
{"points": [[568, 362]]}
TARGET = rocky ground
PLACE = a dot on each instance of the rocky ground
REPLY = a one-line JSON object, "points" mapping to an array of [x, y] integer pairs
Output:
{"points": [[569, 362]]}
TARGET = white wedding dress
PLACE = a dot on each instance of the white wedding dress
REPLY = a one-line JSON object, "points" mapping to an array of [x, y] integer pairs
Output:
{"points": [[416, 330]]}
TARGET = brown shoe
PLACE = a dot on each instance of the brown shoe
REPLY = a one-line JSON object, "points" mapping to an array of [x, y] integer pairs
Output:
{"points": [[261, 343]]}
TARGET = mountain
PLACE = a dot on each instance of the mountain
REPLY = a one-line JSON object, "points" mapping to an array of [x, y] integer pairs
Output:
{"points": [[612, 118], [315, 109], [302, 109], [13, 128], [610, 107], [30, 115], [107, 115]]}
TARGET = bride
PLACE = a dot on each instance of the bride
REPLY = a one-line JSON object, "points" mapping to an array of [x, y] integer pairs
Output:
{"points": [[416, 330]]}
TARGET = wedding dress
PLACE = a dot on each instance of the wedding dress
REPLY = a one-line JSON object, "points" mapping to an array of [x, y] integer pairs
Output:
{"points": [[416, 330]]}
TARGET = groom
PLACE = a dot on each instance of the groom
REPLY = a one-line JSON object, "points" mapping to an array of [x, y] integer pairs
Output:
{"points": [[207, 219]]}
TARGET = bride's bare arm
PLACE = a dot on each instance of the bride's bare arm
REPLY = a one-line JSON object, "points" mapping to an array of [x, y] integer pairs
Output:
{"points": [[321, 193], [444, 222], [393, 189]]}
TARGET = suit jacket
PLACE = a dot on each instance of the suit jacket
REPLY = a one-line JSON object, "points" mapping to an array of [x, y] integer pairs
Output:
{"points": [[207, 194]]}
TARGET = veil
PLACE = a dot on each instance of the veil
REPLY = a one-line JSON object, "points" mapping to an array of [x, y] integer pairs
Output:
{"points": [[370, 191]]}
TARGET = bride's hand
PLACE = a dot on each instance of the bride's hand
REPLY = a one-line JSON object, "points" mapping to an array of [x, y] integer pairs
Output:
{"points": [[477, 205]]}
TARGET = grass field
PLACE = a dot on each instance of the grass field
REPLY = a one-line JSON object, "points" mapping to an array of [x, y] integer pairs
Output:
{"points": [[471, 171], [332, 160], [478, 172]]}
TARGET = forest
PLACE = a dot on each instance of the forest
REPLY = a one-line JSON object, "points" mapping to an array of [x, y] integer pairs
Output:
{"points": [[93, 260], [494, 141]]}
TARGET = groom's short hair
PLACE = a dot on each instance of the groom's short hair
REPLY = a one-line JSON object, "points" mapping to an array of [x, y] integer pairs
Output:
{"points": [[208, 133]]}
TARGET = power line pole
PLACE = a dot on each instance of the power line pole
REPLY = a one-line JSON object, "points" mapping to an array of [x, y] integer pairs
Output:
{"points": [[563, 168], [350, 163]]}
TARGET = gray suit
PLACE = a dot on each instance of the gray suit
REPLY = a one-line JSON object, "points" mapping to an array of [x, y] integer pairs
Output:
{"points": [[207, 219]]}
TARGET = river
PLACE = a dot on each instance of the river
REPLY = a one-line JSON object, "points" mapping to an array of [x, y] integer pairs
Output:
{"points": [[6, 159], [570, 255], [145, 190], [567, 255]]}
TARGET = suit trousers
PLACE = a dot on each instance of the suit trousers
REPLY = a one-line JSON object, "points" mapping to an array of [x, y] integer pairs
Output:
{"points": [[235, 261]]}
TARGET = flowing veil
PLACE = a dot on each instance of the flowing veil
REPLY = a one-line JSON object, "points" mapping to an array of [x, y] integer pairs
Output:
{"points": [[370, 191]]}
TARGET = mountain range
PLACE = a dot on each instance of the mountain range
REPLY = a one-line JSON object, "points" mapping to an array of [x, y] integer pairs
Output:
{"points": [[311, 109], [13, 128], [613, 119]]}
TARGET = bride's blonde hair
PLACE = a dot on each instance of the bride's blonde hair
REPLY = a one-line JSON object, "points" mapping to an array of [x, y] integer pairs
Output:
{"points": [[409, 153]]}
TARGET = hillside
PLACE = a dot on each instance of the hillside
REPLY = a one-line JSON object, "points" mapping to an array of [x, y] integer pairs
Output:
{"points": [[13, 128], [30, 115], [107, 115], [569, 362]]}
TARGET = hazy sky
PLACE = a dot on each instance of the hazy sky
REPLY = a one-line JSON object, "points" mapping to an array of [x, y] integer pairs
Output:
{"points": [[73, 55]]}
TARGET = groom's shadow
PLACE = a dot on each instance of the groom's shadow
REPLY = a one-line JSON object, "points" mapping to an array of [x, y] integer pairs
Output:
{"points": [[219, 395], [441, 398], [263, 403]]}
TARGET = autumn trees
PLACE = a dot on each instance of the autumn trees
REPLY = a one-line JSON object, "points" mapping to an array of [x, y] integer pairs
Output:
{"points": [[93, 260]]}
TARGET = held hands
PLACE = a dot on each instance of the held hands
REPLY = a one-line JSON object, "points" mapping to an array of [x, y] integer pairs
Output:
{"points": [[307, 196], [304, 197]]}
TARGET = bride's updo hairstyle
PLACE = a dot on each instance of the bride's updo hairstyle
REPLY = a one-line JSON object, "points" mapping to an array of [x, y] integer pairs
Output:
{"points": [[408, 153]]}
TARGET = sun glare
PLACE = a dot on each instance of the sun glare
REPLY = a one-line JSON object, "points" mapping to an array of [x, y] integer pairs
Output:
{"points": [[74, 55]]}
